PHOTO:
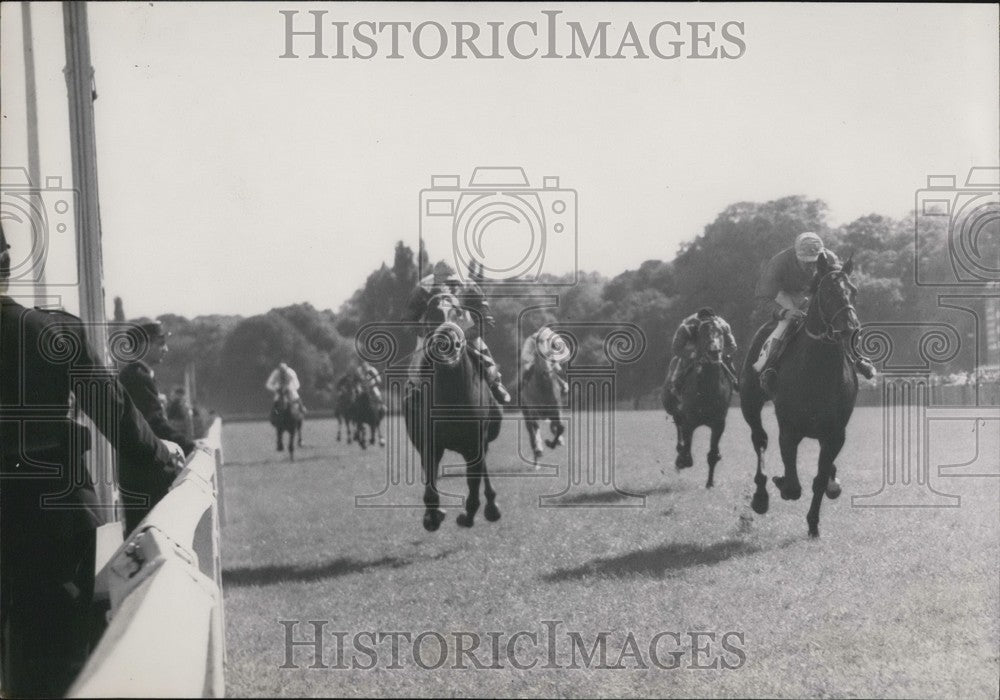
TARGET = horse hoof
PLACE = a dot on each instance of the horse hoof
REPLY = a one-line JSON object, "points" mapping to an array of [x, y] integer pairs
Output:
{"points": [[464, 520], [433, 520], [814, 531], [759, 503], [280, 448], [790, 491], [381, 443], [491, 513], [709, 485], [833, 489], [683, 462]]}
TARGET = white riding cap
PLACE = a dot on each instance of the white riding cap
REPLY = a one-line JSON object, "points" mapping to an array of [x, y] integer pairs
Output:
{"points": [[808, 246]]}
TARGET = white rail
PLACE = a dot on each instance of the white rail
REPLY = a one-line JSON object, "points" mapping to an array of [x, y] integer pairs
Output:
{"points": [[166, 635]]}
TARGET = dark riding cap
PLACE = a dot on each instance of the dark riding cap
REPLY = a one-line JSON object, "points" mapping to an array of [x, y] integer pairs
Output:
{"points": [[149, 328], [706, 312]]}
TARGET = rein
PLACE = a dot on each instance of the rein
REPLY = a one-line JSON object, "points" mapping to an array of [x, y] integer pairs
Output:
{"points": [[829, 334]]}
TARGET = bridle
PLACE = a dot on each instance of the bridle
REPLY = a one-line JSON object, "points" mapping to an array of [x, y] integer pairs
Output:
{"points": [[703, 356], [830, 334]]}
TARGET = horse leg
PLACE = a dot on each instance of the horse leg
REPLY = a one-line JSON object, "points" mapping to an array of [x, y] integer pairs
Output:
{"points": [[557, 428], [291, 444], [751, 403], [684, 458], [531, 425], [359, 435], [338, 428], [473, 475], [789, 439], [381, 440], [371, 432], [433, 515], [713, 453], [298, 429], [281, 443], [491, 512], [828, 451]]}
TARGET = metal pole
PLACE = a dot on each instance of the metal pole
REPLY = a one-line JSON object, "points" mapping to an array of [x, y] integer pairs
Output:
{"points": [[83, 146], [31, 107]]}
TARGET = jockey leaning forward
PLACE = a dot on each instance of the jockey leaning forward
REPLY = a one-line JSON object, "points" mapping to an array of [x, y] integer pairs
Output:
{"points": [[786, 280], [549, 346], [284, 382], [685, 346], [472, 302], [368, 379]]}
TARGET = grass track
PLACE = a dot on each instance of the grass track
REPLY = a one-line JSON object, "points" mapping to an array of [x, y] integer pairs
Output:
{"points": [[889, 602]]}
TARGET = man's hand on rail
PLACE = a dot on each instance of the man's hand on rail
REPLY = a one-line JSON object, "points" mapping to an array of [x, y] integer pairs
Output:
{"points": [[176, 456]]}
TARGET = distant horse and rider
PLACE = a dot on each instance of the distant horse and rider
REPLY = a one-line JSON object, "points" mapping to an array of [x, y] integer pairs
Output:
{"points": [[460, 408], [287, 411], [700, 383], [367, 410], [543, 389], [804, 361]]}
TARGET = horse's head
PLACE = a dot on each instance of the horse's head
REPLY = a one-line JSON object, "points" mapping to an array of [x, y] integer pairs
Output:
{"points": [[711, 341], [445, 345], [831, 314], [551, 349]]}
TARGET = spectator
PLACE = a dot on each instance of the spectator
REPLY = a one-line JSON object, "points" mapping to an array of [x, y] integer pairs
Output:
{"points": [[48, 516]]}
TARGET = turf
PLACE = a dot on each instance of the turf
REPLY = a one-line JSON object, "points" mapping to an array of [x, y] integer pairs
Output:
{"points": [[887, 602]]}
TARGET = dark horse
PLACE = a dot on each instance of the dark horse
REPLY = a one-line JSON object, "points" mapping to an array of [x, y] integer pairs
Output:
{"points": [[814, 391], [541, 396], [455, 412], [706, 390], [367, 409], [286, 417], [342, 408]]}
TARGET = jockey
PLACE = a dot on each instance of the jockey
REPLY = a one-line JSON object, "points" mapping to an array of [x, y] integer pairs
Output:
{"points": [[284, 382], [786, 280], [369, 379], [472, 301], [544, 343], [685, 345]]}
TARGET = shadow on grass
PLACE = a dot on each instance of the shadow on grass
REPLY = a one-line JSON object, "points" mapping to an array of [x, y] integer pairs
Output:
{"points": [[603, 497], [292, 573], [281, 459], [661, 561]]}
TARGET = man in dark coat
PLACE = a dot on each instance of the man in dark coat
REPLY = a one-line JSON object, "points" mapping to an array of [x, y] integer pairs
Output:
{"points": [[139, 380], [48, 506]]}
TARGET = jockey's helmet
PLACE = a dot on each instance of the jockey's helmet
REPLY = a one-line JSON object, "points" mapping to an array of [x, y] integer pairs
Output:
{"points": [[706, 312], [808, 246]]}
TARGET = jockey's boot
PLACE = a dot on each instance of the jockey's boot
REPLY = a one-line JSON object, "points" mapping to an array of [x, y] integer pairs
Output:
{"points": [[733, 374], [483, 358], [864, 367]]}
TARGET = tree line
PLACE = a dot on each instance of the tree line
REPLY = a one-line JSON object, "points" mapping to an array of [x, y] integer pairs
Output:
{"points": [[232, 355]]}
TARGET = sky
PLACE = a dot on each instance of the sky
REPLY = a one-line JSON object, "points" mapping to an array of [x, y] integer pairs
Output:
{"points": [[234, 181]]}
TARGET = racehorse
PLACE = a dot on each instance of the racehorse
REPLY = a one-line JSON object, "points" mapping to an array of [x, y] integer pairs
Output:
{"points": [[814, 391], [706, 389], [286, 417], [468, 417], [367, 409], [542, 395], [342, 408]]}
